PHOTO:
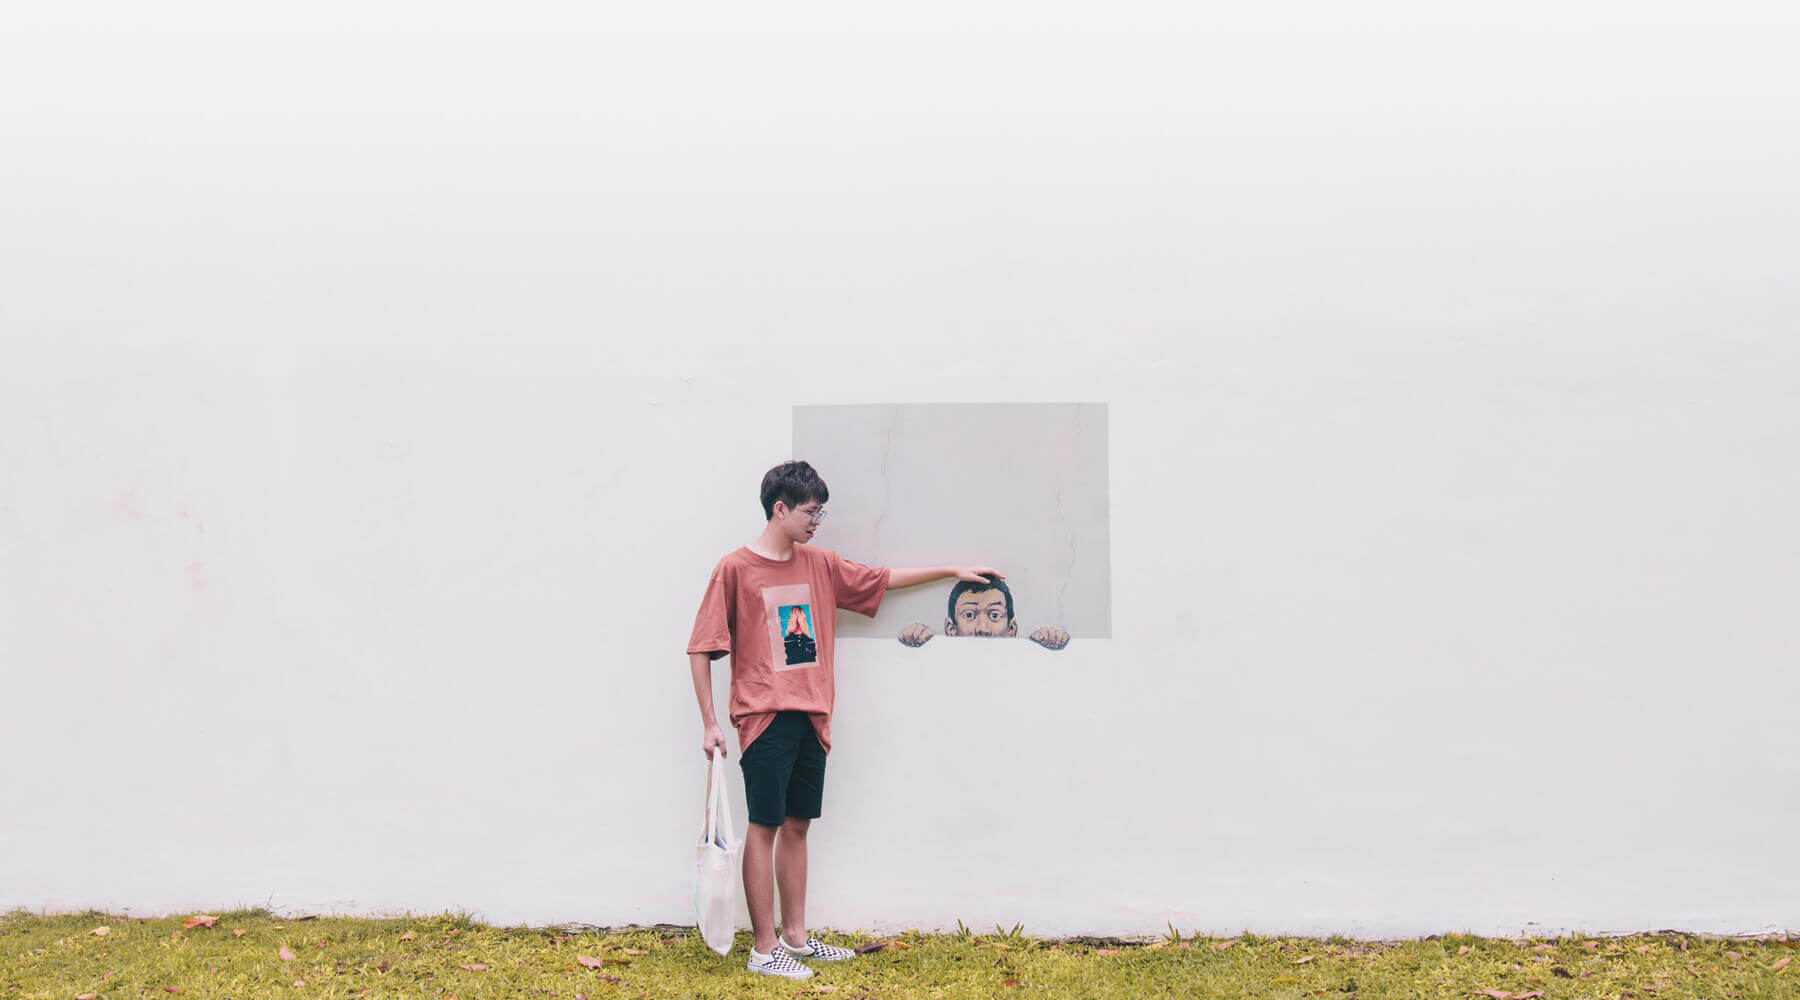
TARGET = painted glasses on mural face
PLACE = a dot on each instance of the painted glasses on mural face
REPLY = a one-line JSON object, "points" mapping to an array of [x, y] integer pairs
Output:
{"points": [[983, 610]]}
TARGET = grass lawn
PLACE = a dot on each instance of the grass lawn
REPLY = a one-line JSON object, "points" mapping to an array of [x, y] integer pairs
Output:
{"points": [[253, 953]]}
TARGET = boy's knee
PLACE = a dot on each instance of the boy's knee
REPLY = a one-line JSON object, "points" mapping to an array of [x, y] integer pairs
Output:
{"points": [[795, 827]]}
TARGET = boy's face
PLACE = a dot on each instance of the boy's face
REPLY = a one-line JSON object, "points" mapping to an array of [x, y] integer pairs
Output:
{"points": [[800, 522], [981, 613]]}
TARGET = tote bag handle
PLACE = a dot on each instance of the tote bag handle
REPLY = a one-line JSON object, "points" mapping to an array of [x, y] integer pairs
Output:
{"points": [[717, 824]]}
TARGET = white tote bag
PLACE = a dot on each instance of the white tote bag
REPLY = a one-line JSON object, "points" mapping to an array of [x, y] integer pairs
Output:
{"points": [[716, 864]]}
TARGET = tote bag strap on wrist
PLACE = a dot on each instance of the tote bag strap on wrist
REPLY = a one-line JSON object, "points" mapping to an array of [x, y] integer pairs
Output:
{"points": [[716, 824]]}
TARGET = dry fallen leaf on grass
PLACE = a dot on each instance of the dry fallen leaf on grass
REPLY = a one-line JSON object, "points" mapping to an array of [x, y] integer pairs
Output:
{"points": [[1590, 945], [902, 945], [592, 963], [238, 933], [199, 920], [872, 946], [1302, 961], [1734, 956], [174, 935], [1009, 983], [285, 954], [408, 936], [1106, 951], [825, 989], [299, 982], [101, 931], [634, 951], [616, 961], [1464, 950], [1222, 945], [474, 967], [560, 938], [1640, 949], [88, 996], [1778, 966], [1543, 947]]}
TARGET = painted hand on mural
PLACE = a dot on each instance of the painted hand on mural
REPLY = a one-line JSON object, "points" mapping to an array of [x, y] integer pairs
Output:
{"points": [[983, 608]]}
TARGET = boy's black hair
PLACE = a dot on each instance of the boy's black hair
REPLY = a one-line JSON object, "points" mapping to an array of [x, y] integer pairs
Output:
{"points": [[969, 586], [792, 483]]}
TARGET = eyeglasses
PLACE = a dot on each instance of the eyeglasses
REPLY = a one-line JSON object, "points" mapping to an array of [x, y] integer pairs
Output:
{"points": [[814, 515]]}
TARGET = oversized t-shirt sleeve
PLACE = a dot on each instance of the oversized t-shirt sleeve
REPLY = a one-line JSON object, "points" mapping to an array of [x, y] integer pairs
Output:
{"points": [[712, 623], [859, 588]]}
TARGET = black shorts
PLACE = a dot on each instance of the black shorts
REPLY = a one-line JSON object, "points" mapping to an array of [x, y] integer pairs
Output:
{"points": [[784, 771]]}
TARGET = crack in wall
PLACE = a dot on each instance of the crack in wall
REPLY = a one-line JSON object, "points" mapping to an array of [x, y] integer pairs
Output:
{"points": [[1062, 592], [887, 493]]}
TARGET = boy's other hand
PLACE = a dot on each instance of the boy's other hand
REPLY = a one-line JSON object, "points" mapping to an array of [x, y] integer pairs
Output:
{"points": [[715, 737], [979, 574], [916, 634]]}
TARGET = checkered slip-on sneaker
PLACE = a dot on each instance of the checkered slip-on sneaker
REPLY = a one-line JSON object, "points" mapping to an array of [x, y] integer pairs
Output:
{"points": [[780, 963], [818, 950]]}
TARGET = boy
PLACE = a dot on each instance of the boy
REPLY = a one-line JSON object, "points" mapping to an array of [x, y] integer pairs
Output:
{"points": [[770, 605]]}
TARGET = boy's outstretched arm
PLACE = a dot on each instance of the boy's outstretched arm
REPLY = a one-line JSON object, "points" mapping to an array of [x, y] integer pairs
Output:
{"points": [[908, 576]]}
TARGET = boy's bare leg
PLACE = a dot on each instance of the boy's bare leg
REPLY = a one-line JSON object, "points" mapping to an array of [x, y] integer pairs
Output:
{"points": [[759, 887], [790, 874]]}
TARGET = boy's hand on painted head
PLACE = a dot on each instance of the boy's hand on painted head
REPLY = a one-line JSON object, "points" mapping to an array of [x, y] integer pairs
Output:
{"points": [[979, 574]]}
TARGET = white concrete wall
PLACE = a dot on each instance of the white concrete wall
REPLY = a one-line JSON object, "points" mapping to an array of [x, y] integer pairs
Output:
{"points": [[373, 405]]}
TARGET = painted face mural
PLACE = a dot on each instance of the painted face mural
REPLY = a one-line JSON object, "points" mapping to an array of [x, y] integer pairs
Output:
{"points": [[983, 610], [982, 613]]}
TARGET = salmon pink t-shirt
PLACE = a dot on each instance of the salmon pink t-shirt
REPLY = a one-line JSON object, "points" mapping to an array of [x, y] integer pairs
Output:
{"points": [[776, 619]]}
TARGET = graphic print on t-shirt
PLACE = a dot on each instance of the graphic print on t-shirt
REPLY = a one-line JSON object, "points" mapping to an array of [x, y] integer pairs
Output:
{"points": [[793, 641]]}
